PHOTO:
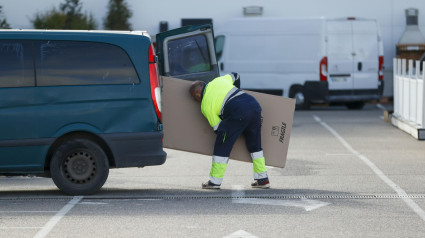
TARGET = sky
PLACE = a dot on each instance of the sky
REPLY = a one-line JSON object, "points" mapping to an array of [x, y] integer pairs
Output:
{"points": [[19, 12]]}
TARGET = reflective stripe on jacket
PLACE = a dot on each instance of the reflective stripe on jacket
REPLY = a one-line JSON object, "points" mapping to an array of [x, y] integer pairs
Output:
{"points": [[215, 96]]}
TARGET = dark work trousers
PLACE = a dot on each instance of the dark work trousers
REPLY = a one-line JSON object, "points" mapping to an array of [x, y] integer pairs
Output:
{"points": [[241, 115]]}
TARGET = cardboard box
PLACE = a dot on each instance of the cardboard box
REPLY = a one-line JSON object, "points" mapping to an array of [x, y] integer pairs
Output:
{"points": [[186, 129]]}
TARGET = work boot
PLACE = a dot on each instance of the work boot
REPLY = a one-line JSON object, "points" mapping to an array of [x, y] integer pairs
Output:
{"points": [[209, 185], [261, 183]]}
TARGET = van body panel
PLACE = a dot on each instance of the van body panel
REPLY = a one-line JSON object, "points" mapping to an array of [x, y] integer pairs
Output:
{"points": [[353, 52], [136, 149], [272, 53], [366, 50], [18, 158], [340, 55], [34, 116]]}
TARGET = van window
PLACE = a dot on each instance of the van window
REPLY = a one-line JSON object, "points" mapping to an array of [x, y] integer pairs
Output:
{"points": [[219, 45], [16, 65], [189, 55], [82, 63]]}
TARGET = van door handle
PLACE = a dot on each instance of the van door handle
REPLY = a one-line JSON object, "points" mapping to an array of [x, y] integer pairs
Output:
{"points": [[359, 66], [221, 66]]}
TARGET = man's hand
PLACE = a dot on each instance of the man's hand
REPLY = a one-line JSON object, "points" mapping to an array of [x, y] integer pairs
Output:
{"points": [[237, 81]]}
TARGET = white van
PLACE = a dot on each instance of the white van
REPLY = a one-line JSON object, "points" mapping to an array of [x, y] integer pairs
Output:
{"points": [[314, 60]]}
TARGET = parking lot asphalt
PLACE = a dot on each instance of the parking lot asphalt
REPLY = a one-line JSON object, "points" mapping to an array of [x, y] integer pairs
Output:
{"points": [[348, 174]]}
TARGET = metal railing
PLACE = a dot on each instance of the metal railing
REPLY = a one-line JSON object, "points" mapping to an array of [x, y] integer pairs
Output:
{"points": [[409, 88]]}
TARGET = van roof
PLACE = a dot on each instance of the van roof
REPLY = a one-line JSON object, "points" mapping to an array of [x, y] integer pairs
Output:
{"points": [[144, 33], [254, 19]]}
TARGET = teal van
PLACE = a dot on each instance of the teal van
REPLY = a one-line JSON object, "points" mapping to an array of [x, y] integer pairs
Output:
{"points": [[75, 103]]}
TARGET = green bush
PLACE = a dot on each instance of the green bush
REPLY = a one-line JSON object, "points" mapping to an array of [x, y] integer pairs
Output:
{"points": [[69, 16]]}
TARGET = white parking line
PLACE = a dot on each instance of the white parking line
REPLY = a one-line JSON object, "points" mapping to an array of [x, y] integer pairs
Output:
{"points": [[17, 227], [237, 191], [418, 210], [55, 219], [380, 106], [27, 211], [338, 154]]}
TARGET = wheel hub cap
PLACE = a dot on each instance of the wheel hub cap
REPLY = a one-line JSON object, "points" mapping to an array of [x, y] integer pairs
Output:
{"points": [[79, 167], [299, 98]]}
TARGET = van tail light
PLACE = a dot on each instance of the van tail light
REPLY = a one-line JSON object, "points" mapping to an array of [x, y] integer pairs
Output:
{"points": [[381, 68], [155, 83], [324, 69]]}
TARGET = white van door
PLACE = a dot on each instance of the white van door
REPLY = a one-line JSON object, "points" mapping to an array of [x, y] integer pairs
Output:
{"points": [[352, 49], [339, 45], [366, 54]]}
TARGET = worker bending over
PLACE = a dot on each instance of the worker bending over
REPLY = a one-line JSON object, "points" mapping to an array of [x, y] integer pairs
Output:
{"points": [[231, 112]]}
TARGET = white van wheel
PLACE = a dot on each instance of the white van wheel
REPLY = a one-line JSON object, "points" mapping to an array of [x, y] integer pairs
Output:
{"points": [[301, 102], [357, 105], [299, 98]]}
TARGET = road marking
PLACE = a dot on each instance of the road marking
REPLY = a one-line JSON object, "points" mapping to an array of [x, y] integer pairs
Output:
{"points": [[307, 204], [93, 203], [237, 191], [403, 195], [380, 106], [240, 234], [56, 218], [238, 196], [17, 227], [27, 211], [337, 154], [150, 199]]}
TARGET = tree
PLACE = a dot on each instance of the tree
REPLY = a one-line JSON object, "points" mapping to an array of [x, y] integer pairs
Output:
{"points": [[118, 15], [69, 16], [3, 22]]}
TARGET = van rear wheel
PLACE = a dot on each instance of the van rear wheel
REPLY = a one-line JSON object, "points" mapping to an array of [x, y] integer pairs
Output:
{"points": [[301, 101], [355, 105], [79, 167]]}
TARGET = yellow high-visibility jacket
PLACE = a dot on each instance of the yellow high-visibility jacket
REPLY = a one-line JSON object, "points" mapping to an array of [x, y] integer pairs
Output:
{"points": [[215, 95]]}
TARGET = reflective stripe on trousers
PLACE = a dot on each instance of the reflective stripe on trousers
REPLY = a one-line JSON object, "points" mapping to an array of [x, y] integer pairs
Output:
{"points": [[218, 168], [219, 165], [259, 165]]}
